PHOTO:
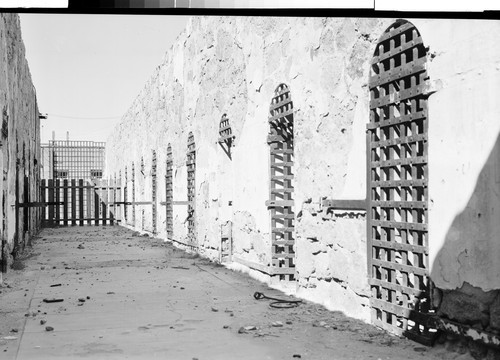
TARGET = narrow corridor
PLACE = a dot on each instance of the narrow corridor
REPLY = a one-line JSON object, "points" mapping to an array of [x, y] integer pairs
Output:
{"points": [[129, 296]]}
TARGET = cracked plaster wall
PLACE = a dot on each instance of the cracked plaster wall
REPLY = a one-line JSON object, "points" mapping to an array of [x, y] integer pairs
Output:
{"points": [[20, 149], [232, 65]]}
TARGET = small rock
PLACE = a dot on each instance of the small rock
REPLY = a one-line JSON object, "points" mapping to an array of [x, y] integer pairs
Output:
{"points": [[289, 322], [242, 330], [42, 267], [49, 328], [250, 327], [319, 324], [88, 297], [43, 321], [297, 356], [225, 326], [80, 304], [215, 309], [81, 299], [277, 324], [14, 330]]}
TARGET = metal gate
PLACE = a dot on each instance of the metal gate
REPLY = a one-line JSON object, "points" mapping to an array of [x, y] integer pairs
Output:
{"points": [[397, 178], [280, 201], [79, 202]]}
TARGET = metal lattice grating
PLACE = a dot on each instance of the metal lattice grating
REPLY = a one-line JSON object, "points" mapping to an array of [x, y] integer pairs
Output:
{"points": [[169, 194], [133, 192], [281, 182], [153, 189], [191, 186], [398, 175], [225, 131]]}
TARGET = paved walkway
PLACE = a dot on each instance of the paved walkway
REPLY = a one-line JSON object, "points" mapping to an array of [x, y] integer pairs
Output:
{"points": [[131, 297]]}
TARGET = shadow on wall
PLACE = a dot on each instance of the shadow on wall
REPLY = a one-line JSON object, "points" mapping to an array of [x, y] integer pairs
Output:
{"points": [[470, 256]]}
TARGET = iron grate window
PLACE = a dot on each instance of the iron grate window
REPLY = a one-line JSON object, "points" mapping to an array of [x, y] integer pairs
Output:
{"points": [[281, 182], [191, 187], [153, 189], [169, 193], [398, 175]]}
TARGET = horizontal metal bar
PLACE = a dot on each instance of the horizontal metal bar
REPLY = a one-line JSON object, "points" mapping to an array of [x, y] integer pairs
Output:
{"points": [[281, 103], [280, 230], [400, 225], [282, 164], [398, 96], [281, 191], [224, 128], [176, 203], [57, 222], [279, 203], [280, 115], [226, 137], [275, 138], [399, 141], [399, 204], [399, 183], [345, 204], [281, 177], [397, 73], [281, 255], [396, 287], [283, 216], [403, 268], [130, 203], [390, 308], [419, 160], [396, 32], [414, 116], [392, 245], [39, 204], [397, 50]]}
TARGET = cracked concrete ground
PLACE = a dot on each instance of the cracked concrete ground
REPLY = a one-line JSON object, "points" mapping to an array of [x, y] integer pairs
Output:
{"points": [[127, 296]]}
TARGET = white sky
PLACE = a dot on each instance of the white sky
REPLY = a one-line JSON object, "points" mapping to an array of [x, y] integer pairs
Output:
{"points": [[88, 69]]}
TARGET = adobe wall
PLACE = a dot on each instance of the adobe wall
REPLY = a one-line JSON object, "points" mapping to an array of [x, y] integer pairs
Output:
{"points": [[464, 168], [233, 65], [19, 141]]}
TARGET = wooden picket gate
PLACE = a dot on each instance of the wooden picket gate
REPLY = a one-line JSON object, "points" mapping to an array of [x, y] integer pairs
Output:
{"points": [[80, 202]]}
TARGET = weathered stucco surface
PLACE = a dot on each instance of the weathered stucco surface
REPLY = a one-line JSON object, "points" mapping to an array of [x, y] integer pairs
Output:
{"points": [[20, 143], [232, 66]]}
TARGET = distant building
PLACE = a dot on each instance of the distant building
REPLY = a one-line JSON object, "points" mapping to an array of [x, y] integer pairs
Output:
{"points": [[64, 159]]}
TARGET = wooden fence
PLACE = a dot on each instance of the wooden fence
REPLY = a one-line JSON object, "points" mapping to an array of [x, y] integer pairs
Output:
{"points": [[80, 202]]}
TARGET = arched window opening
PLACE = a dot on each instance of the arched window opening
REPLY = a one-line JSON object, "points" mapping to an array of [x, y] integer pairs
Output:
{"points": [[397, 179], [191, 187], [125, 189], [226, 137], [153, 189], [280, 201], [169, 193], [133, 193]]}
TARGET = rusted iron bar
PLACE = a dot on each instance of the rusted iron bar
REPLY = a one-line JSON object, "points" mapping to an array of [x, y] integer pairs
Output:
{"points": [[39, 204], [345, 204]]}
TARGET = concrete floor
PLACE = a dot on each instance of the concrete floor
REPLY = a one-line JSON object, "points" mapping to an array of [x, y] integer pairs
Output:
{"points": [[144, 299]]}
